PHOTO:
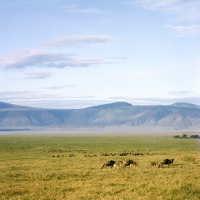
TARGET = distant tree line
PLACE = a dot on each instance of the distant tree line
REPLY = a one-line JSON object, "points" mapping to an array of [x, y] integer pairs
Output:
{"points": [[185, 136]]}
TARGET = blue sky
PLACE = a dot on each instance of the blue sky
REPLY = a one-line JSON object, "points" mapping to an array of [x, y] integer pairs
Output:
{"points": [[75, 53]]}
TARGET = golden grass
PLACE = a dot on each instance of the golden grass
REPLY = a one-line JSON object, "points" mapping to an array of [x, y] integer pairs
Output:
{"points": [[31, 169]]}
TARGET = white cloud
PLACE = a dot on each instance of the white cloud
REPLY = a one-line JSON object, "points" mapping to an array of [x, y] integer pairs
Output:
{"points": [[183, 9], [77, 9], [79, 40], [43, 99], [9, 96], [38, 75], [154, 4], [151, 4], [59, 87], [185, 30], [194, 99], [181, 93], [36, 58]]}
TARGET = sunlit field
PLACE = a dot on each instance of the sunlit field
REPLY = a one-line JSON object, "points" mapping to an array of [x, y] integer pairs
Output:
{"points": [[68, 166]]}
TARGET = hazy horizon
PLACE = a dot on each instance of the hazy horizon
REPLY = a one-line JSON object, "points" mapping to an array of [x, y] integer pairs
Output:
{"points": [[93, 104]]}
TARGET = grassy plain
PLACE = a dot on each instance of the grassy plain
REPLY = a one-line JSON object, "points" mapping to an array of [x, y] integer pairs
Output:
{"points": [[68, 166]]}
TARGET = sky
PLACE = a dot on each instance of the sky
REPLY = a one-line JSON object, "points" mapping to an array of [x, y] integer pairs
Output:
{"points": [[67, 54]]}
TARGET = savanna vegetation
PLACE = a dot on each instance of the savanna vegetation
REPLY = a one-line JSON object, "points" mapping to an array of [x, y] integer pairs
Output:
{"points": [[186, 136], [68, 166]]}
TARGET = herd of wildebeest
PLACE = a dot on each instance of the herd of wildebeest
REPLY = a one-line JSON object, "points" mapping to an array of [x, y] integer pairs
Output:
{"points": [[119, 164], [131, 163]]}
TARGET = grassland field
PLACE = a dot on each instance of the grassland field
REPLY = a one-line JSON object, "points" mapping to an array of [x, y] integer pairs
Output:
{"points": [[68, 166]]}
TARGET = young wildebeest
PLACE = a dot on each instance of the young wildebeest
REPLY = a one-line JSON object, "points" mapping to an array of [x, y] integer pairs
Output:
{"points": [[128, 162], [165, 162], [153, 164], [108, 163], [133, 165], [118, 165]]}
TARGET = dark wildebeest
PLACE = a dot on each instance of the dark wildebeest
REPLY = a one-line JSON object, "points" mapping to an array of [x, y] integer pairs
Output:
{"points": [[108, 163], [165, 162], [128, 162]]}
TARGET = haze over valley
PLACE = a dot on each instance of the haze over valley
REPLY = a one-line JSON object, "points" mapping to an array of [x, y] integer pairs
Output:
{"points": [[115, 116]]}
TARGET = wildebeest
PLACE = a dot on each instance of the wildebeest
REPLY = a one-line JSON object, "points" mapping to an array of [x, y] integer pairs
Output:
{"points": [[128, 162], [165, 162], [118, 164], [108, 163], [133, 165], [153, 164]]}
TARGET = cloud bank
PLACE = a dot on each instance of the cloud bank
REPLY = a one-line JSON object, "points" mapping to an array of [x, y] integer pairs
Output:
{"points": [[43, 99], [38, 75], [37, 58], [79, 40], [181, 11]]}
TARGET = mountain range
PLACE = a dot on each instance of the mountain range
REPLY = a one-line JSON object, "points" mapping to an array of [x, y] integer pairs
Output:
{"points": [[119, 116]]}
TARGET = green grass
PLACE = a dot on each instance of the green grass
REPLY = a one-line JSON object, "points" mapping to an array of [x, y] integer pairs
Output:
{"points": [[68, 166]]}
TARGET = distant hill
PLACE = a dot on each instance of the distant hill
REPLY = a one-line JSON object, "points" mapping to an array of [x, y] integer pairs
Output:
{"points": [[119, 115], [189, 105], [8, 106]]}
